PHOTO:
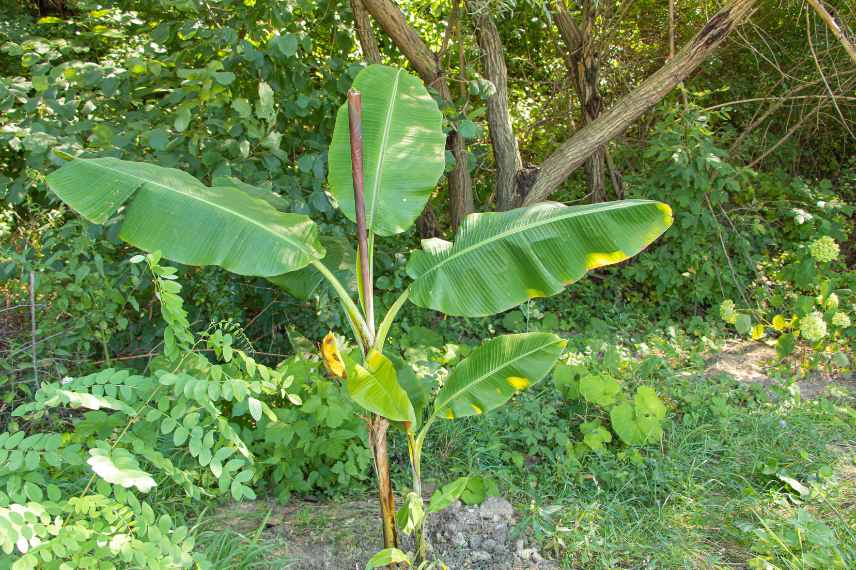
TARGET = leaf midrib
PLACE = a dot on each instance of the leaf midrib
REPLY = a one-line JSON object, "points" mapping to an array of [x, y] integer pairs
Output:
{"points": [[519, 229], [382, 158], [493, 371], [144, 181]]}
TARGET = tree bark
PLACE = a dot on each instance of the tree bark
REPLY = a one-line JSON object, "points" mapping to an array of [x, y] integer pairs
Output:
{"points": [[583, 62], [363, 26], [425, 63], [505, 151], [585, 142]]}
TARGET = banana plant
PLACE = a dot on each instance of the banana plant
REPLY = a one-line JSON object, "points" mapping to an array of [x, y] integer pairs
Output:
{"points": [[386, 157]]}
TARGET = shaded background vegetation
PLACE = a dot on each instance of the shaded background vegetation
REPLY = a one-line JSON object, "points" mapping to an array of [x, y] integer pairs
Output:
{"points": [[754, 151]]}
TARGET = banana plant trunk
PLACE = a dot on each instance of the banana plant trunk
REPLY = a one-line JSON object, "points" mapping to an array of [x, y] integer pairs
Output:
{"points": [[378, 425], [377, 439]]}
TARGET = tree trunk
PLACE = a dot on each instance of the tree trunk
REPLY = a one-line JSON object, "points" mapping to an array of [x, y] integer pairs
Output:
{"points": [[583, 61], [363, 27], [585, 142], [595, 176], [506, 155], [423, 60]]}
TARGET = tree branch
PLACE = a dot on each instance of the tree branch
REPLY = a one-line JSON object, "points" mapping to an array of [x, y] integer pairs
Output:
{"points": [[834, 27], [390, 18], [573, 152]]}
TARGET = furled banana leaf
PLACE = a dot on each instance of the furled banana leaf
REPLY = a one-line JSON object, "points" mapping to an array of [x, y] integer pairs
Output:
{"points": [[168, 210], [403, 149], [492, 373], [375, 387], [499, 260]]}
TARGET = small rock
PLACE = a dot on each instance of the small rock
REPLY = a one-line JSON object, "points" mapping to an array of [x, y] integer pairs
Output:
{"points": [[496, 509], [480, 556], [528, 554], [491, 545]]}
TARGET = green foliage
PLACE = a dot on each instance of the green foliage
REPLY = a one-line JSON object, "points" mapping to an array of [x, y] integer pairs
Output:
{"points": [[74, 490], [87, 305], [692, 171], [228, 96], [318, 446], [800, 541], [807, 299]]}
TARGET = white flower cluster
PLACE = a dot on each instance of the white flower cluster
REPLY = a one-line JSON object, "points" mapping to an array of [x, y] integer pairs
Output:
{"points": [[824, 249], [840, 319], [813, 327]]}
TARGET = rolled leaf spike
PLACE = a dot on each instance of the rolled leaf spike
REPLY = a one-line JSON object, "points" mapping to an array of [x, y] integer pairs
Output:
{"points": [[356, 132]]}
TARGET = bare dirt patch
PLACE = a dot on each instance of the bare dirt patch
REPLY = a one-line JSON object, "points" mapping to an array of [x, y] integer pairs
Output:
{"points": [[753, 362], [344, 535]]}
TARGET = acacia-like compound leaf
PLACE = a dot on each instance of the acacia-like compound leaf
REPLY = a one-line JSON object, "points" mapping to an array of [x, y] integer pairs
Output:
{"points": [[170, 211], [120, 467], [495, 371], [403, 149], [501, 259], [375, 387]]}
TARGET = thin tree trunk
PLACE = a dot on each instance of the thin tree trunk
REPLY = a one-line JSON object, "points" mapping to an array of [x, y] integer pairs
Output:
{"points": [[585, 142], [595, 175], [614, 175], [424, 62], [505, 151], [363, 26], [583, 62]]}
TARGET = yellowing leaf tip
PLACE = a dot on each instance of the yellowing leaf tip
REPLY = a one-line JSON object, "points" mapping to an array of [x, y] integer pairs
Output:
{"points": [[535, 293], [518, 382], [667, 213], [595, 260]]}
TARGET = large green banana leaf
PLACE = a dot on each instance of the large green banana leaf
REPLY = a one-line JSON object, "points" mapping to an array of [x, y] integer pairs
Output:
{"points": [[403, 149], [170, 211], [492, 373], [499, 260], [375, 387]]}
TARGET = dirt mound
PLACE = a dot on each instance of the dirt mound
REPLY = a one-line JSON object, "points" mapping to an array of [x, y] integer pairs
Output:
{"points": [[344, 535]]}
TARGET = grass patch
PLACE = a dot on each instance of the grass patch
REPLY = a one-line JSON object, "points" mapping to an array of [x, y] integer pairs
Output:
{"points": [[745, 474]]}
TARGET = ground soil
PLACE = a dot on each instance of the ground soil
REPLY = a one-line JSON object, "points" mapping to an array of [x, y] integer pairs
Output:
{"points": [[343, 535]]}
